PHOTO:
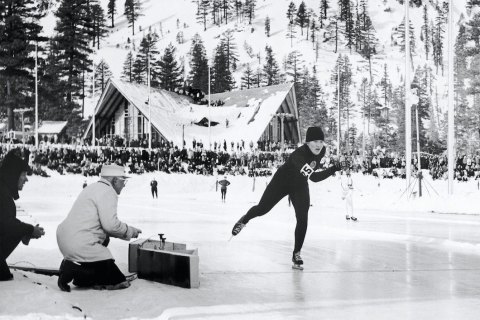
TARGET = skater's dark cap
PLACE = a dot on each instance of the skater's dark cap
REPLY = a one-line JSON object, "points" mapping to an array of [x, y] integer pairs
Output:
{"points": [[314, 133], [113, 170]]}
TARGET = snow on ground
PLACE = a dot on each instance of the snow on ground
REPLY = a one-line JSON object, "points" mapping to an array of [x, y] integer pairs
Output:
{"points": [[405, 258]]}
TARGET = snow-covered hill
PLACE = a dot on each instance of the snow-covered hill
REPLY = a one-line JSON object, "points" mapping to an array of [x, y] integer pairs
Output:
{"points": [[167, 18]]}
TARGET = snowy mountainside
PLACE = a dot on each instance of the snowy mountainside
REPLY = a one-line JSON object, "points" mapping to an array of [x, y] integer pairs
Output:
{"points": [[167, 18]]}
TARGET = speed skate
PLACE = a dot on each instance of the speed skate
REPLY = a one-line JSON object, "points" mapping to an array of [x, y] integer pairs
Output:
{"points": [[297, 266]]}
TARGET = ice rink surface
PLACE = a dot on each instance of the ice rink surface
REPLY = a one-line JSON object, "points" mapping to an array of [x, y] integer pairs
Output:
{"points": [[406, 258]]}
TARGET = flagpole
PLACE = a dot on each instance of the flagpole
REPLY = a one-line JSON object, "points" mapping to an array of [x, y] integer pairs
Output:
{"points": [[451, 107], [209, 106], [36, 94], [338, 105], [408, 107], [149, 106], [94, 106]]}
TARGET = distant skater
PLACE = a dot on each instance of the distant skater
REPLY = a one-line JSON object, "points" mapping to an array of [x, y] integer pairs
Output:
{"points": [[292, 179], [84, 184], [223, 187], [153, 187], [347, 195]]}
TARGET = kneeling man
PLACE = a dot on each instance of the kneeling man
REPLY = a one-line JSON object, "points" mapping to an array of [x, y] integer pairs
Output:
{"points": [[84, 235]]}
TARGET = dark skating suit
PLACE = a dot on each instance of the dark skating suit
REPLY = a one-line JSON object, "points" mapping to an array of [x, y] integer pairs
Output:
{"points": [[292, 179]]}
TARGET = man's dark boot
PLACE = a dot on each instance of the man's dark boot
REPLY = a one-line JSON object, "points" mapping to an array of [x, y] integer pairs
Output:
{"points": [[5, 274], [67, 270]]}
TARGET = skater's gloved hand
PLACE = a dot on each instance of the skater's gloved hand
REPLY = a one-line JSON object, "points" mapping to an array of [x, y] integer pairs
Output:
{"points": [[337, 165], [37, 232]]}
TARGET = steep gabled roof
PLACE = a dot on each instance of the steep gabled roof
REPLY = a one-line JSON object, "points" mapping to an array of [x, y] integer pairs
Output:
{"points": [[248, 112], [52, 127]]}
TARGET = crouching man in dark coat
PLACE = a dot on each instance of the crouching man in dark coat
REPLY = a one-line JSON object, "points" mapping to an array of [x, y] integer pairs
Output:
{"points": [[13, 175]]}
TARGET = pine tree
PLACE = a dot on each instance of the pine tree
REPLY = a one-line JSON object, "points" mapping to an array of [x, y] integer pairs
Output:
{"points": [[363, 95], [73, 34], [310, 16], [294, 65], [127, 73], [349, 30], [398, 106], [132, 12], [238, 10], [19, 30], [102, 74], [203, 13], [419, 83], [216, 11], [249, 8], [221, 75], [230, 48], [425, 33], [51, 87], [311, 105], [460, 78], [344, 7], [323, 12], [332, 32], [301, 18], [198, 75], [147, 55], [401, 34], [385, 86], [99, 25], [139, 71], [271, 71], [170, 73], [291, 22], [438, 42], [370, 43], [291, 33], [248, 78], [313, 30], [267, 26], [111, 11], [343, 71], [226, 7]]}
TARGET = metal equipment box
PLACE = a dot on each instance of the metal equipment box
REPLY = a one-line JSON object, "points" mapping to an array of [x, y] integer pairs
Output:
{"points": [[165, 262]]}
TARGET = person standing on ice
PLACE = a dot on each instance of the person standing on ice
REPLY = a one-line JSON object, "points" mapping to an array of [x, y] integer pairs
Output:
{"points": [[347, 194], [292, 179], [85, 233], [13, 175], [153, 187], [224, 183]]}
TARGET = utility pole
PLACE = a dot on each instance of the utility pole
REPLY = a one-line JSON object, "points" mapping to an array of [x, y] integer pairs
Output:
{"points": [[94, 107], [451, 106], [36, 94], [408, 107], [149, 106]]}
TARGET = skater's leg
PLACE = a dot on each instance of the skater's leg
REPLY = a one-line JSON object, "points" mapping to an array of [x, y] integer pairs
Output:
{"points": [[271, 196], [301, 203], [349, 205]]}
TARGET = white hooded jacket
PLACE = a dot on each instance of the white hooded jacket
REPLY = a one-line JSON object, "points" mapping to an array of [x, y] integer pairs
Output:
{"points": [[92, 218]]}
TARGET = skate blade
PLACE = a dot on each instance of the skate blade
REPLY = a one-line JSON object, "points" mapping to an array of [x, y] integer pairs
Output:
{"points": [[297, 267], [230, 238]]}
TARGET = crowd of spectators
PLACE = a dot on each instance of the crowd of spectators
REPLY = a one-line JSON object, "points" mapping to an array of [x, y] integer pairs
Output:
{"points": [[234, 159], [169, 158]]}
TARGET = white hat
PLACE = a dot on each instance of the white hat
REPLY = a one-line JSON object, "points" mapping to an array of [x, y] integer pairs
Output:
{"points": [[113, 170]]}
